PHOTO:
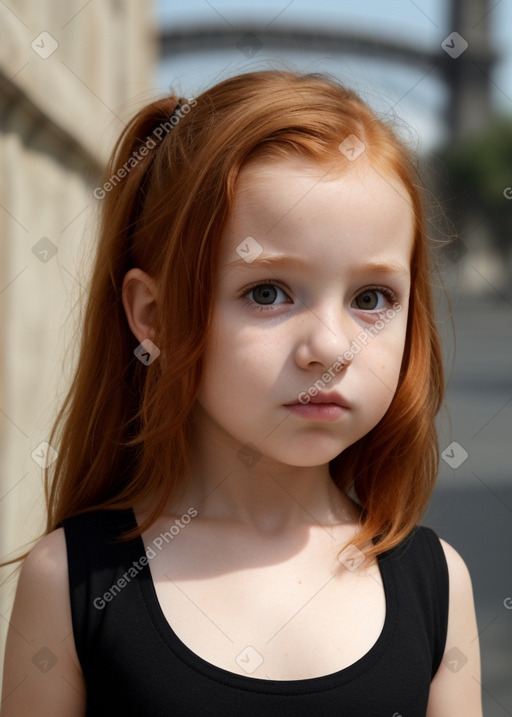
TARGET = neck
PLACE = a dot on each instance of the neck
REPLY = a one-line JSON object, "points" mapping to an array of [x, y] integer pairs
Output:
{"points": [[236, 483]]}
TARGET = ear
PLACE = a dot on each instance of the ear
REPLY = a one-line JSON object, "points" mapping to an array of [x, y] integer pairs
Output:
{"points": [[139, 295]]}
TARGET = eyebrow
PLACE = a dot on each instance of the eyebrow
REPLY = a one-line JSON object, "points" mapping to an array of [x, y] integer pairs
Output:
{"points": [[384, 266]]}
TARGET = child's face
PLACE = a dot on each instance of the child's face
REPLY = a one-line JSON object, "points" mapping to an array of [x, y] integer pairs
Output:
{"points": [[268, 349]]}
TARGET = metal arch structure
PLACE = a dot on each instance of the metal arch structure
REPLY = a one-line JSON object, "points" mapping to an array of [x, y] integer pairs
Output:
{"points": [[249, 39], [465, 68]]}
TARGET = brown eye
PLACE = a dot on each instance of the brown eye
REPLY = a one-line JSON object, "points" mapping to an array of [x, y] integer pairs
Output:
{"points": [[368, 300]]}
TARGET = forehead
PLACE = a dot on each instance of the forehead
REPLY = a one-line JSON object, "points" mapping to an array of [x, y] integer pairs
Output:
{"points": [[296, 206]]}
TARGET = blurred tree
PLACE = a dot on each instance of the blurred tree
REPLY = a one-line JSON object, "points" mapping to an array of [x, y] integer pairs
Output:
{"points": [[479, 177]]}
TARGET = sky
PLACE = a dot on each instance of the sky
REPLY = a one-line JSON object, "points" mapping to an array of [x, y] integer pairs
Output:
{"points": [[414, 98]]}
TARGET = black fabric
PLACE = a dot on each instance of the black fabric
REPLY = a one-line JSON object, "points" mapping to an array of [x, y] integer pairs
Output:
{"points": [[134, 664]]}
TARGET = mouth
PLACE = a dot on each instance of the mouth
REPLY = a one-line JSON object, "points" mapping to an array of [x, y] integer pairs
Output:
{"points": [[327, 399], [318, 410]]}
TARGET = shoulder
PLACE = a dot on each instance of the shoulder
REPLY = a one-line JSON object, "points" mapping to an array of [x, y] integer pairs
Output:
{"points": [[44, 575], [457, 568], [47, 559], [456, 689], [461, 616], [40, 640], [459, 577]]}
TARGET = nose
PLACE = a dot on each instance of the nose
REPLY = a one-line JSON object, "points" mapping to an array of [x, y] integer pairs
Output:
{"points": [[324, 337]]}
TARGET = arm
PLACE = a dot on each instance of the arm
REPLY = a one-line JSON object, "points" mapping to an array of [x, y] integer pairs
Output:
{"points": [[455, 689], [42, 674]]}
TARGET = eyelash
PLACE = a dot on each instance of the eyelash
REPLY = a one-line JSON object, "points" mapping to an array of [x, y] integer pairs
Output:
{"points": [[386, 291]]}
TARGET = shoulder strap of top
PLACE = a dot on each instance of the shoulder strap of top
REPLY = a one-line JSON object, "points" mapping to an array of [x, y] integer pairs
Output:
{"points": [[441, 594], [424, 585], [95, 554]]}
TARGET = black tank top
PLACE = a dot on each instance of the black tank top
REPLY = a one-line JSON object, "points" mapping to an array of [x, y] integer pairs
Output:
{"points": [[134, 664]]}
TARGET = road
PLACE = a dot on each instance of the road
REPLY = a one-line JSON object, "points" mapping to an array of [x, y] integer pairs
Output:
{"points": [[472, 504]]}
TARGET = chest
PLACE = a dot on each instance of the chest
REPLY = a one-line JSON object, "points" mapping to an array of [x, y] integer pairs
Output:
{"points": [[292, 617]]}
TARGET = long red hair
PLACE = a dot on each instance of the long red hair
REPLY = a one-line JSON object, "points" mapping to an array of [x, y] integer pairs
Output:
{"points": [[124, 430]]}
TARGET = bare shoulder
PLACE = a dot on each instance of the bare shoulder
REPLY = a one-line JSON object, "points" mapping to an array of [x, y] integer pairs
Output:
{"points": [[457, 568], [47, 561], [456, 687], [42, 672], [43, 582]]}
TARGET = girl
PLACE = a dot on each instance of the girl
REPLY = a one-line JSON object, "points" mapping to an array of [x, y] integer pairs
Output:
{"points": [[249, 443]]}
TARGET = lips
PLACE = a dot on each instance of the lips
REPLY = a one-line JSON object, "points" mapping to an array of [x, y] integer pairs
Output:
{"points": [[324, 398]]}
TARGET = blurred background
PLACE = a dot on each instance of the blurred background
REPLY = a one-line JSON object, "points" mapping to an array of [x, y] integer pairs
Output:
{"points": [[73, 72]]}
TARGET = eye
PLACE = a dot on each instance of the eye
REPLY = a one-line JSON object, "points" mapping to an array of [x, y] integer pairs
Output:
{"points": [[264, 295], [373, 299]]}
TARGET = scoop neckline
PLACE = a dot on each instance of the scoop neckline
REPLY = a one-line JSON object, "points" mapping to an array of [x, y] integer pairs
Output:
{"points": [[257, 684]]}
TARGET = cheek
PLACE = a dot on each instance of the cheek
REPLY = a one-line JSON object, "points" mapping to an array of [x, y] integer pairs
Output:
{"points": [[237, 362], [381, 358]]}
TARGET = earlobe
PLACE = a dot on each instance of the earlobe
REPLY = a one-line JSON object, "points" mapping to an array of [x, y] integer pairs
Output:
{"points": [[139, 296]]}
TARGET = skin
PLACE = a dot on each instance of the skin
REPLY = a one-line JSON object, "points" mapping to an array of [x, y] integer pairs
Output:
{"points": [[270, 513]]}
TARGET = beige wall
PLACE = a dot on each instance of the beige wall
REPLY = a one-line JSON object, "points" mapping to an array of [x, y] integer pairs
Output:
{"points": [[59, 116]]}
